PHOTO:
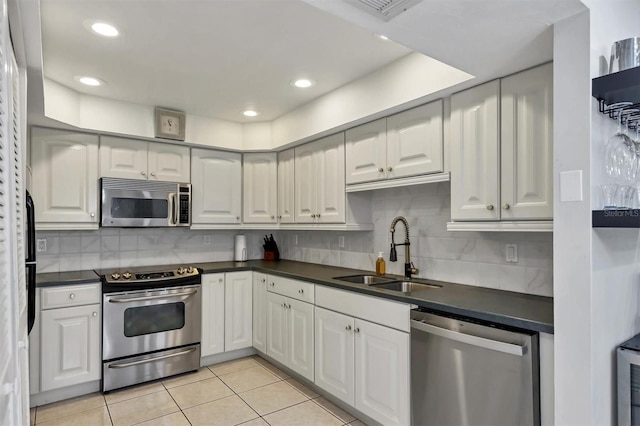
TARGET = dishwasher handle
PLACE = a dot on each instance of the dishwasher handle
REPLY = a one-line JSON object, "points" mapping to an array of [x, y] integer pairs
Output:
{"points": [[494, 345]]}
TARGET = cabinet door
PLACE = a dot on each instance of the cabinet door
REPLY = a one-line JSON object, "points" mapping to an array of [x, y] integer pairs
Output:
{"points": [[212, 314], [474, 154], [260, 311], [217, 184], [527, 144], [260, 187], [169, 163], [415, 141], [123, 158], [334, 352], [331, 197], [71, 337], [300, 339], [286, 188], [65, 177], [366, 152], [305, 184], [277, 327], [382, 373], [238, 324]]}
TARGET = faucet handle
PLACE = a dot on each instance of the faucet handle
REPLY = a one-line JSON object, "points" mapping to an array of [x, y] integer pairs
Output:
{"points": [[414, 270]]}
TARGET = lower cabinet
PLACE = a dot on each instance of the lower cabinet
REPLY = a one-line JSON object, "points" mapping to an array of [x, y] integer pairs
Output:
{"points": [[362, 363], [260, 312], [226, 312], [70, 330]]}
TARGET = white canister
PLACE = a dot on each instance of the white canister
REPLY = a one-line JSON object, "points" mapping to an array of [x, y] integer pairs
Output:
{"points": [[241, 248]]}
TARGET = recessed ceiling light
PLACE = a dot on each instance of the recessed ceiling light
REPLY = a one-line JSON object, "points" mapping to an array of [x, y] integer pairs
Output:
{"points": [[101, 28], [250, 113], [381, 37], [303, 83], [88, 81]]}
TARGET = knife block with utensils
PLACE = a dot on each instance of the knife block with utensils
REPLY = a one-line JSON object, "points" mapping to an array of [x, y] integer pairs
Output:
{"points": [[270, 247]]}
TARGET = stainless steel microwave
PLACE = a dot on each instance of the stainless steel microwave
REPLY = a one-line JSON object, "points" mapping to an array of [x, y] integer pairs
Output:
{"points": [[140, 203]]}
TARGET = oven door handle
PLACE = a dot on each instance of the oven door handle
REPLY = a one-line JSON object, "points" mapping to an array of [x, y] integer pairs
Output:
{"points": [[146, 361], [159, 296]]}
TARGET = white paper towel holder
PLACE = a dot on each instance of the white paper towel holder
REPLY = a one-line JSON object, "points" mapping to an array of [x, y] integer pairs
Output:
{"points": [[240, 254]]}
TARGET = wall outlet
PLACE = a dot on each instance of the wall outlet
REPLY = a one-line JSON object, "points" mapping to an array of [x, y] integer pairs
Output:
{"points": [[511, 252], [341, 241], [41, 245], [207, 240], [295, 239]]}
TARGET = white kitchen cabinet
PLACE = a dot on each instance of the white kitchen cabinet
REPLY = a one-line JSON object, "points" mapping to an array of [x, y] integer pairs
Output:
{"points": [[405, 144], [526, 138], [70, 335], [260, 193], [290, 338], [136, 159], [501, 149], [216, 178], [286, 189], [260, 311], [65, 179], [238, 325], [213, 300], [362, 353], [320, 181]]}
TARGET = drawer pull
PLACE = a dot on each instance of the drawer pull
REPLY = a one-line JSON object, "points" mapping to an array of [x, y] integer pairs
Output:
{"points": [[301, 291], [273, 284], [95, 314], [381, 170], [490, 207], [264, 280], [357, 330], [72, 296], [348, 328], [506, 207]]}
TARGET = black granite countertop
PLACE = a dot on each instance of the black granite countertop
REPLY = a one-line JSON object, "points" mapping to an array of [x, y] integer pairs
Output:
{"points": [[502, 307]]}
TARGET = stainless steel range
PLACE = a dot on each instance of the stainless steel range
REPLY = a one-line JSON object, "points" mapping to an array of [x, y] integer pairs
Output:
{"points": [[151, 324]]}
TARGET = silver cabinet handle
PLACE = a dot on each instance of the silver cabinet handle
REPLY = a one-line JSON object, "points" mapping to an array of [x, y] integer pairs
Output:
{"points": [[301, 291], [284, 305], [153, 173], [357, 330], [313, 215], [273, 284], [72, 296], [381, 170], [490, 207], [160, 296], [264, 280], [318, 215], [495, 345], [273, 217], [220, 280], [92, 214], [280, 217], [289, 306], [145, 361], [506, 206], [143, 173], [348, 328], [389, 169], [95, 314]]}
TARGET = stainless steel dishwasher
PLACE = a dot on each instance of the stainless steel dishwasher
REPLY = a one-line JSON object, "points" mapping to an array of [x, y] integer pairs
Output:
{"points": [[467, 373]]}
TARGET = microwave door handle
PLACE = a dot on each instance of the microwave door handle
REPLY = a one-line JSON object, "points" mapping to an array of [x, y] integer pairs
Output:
{"points": [[176, 211], [172, 208]]}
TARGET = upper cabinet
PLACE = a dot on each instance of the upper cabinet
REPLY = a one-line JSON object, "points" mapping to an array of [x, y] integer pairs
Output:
{"points": [[286, 188], [403, 145], [260, 193], [501, 151], [320, 182], [135, 159], [216, 178], [65, 179]]}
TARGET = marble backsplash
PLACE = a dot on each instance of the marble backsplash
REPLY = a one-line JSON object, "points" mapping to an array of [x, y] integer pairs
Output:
{"points": [[472, 258]]}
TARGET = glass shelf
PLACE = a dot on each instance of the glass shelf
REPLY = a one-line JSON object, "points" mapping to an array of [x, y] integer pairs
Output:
{"points": [[629, 218]]}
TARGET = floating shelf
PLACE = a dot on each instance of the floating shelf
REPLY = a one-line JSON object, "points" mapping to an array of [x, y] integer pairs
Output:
{"points": [[615, 218], [622, 86]]}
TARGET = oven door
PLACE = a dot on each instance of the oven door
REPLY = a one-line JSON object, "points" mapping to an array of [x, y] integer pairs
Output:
{"points": [[144, 321]]}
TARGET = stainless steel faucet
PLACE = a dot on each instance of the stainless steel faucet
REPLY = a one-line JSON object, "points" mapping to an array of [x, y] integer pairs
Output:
{"points": [[409, 268]]}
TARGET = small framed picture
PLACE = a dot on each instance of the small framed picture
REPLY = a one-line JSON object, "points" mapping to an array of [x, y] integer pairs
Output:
{"points": [[170, 124]]}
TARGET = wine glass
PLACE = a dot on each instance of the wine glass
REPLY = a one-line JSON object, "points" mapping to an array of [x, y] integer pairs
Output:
{"points": [[620, 160]]}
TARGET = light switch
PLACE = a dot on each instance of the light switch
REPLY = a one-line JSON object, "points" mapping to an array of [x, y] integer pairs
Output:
{"points": [[571, 186], [512, 252], [42, 245]]}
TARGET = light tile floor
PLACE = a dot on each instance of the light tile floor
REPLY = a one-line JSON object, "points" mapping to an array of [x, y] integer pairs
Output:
{"points": [[248, 391]]}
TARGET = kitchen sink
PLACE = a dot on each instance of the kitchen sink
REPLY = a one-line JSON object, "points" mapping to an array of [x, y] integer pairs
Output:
{"points": [[364, 279], [406, 286]]}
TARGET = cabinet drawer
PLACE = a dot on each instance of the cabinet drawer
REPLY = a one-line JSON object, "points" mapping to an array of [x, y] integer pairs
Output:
{"points": [[291, 288], [370, 308], [73, 295]]}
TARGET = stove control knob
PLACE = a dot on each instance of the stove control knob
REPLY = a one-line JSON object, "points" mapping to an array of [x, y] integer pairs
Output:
{"points": [[190, 270], [180, 270], [115, 276], [126, 275]]}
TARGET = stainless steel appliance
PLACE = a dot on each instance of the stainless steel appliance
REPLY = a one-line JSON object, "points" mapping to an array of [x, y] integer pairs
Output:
{"points": [[151, 324], [467, 373], [139, 203], [30, 261], [628, 354]]}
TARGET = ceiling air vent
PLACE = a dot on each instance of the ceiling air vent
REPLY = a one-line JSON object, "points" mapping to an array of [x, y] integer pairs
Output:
{"points": [[384, 9]]}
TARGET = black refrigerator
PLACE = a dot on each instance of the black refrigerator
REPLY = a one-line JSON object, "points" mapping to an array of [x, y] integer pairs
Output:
{"points": [[30, 261]]}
